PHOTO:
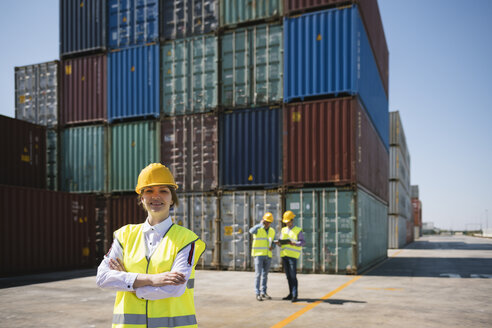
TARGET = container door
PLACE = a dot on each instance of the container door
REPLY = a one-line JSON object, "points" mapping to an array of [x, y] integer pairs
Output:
{"points": [[235, 224], [304, 204]]}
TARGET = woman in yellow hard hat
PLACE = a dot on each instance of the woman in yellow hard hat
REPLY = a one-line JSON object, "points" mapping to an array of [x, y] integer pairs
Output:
{"points": [[291, 242], [152, 265], [261, 250]]}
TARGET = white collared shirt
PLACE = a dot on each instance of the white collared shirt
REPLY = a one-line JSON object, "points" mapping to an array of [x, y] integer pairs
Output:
{"points": [[123, 281]]}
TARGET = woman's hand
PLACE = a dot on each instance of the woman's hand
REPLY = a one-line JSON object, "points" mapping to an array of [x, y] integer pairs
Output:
{"points": [[116, 265], [168, 278]]}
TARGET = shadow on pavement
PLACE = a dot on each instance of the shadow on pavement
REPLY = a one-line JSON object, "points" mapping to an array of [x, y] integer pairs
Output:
{"points": [[45, 277]]}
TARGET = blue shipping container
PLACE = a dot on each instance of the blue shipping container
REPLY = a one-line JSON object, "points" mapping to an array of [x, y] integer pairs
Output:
{"points": [[251, 148], [82, 26], [133, 83], [328, 53], [133, 22]]}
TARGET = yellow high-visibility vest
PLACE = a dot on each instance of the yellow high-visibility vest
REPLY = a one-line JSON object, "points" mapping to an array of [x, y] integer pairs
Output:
{"points": [[261, 244], [129, 310], [290, 250]]}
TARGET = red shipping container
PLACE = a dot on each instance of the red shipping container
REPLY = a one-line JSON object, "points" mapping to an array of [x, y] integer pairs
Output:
{"points": [[189, 148], [45, 231], [371, 16], [83, 90], [23, 159], [333, 142], [122, 210], [417, 212]]}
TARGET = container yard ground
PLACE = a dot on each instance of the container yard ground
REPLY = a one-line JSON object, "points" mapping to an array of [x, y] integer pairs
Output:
{"points": [[437, 281]]}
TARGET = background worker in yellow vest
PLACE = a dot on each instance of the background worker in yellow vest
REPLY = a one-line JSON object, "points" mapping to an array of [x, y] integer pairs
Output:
{"points": [[261, 250], [291, 242], [152, 265]]}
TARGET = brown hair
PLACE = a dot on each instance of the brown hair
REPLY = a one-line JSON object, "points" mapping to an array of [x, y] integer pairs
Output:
{"points": [[173, 195]]}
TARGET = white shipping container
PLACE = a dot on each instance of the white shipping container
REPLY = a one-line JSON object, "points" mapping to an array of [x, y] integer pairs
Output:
{"points": [[399, 167], [399, 200], [199, 212], [397, 231], [240, 210], [36, 93], [397, 134]]}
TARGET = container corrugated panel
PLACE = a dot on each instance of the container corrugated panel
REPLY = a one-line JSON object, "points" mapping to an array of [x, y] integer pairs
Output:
{"points": [[399, 169], [84, 162], [183, 18], [410, 231], [417, 212], [327, 53], [199, 213], [122, 210], [251, 66], [414, 192], [239, 211], [55, 232], [189, 75], [133, 83], [399, 200], [189, 148], [83, 90], [52, 160], [23, 159], [233, 12], [333, 142], [82, 26], [371, 16], [37, 93], [397, 231], [397, 135], [345, 230], [132, 22], [250, 148], [133, 146]]}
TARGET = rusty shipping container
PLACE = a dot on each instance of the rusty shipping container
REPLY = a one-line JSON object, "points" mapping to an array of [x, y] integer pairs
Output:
{"points": [[333, 142], [121, 210], [371, 17], [189, 147], [45, 231], [83, 90], [23, 159]]}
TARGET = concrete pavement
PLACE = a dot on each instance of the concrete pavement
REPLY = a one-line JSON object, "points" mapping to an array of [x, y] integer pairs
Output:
{"points": [[434, 282]]}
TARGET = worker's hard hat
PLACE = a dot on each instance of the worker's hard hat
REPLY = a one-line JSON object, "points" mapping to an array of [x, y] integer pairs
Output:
{"points": [[268, 217], [288, 215], [155, 174]]}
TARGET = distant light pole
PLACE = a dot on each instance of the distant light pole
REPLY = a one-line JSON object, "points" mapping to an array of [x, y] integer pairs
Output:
{"points": [[486, 218]]}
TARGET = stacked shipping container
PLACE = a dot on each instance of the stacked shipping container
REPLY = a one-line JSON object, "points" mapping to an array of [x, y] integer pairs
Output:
{"points": [[207, 100], [416, 211], [400, 219]]}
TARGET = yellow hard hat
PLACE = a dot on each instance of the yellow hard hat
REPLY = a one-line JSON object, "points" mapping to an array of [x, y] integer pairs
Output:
{"points": [[155, 174], [268, 217], [288, 215]]}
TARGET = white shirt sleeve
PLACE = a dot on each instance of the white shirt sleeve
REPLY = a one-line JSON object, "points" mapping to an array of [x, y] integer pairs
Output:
{"points": [[180, 264], [113, 279]]}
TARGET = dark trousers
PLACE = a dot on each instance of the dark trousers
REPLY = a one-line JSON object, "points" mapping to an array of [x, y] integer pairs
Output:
{"points": [[290, 265]]}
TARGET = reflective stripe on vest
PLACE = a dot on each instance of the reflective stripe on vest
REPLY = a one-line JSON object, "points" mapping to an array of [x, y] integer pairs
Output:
{"points": [[290, 250], [141, 319], [168, 312], [261, 243]]}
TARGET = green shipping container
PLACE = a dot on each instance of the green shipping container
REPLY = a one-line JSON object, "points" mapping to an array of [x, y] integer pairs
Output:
{"points": [[252, 66], [233, 12], [83, 156], [189, 75], [134, 145], [345, 230]]}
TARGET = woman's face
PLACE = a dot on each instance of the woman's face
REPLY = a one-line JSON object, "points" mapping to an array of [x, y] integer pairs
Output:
{"points": [[157, 199]]}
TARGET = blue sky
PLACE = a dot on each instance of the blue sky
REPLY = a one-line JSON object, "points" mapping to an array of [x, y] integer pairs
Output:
{"points": [[440, 81]]}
